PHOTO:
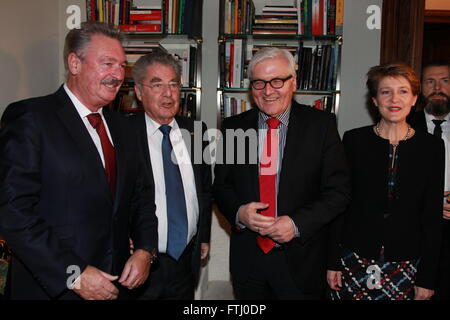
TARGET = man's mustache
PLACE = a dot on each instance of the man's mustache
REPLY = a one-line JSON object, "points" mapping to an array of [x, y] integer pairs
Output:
{"points": [[111, 81], [438, 94]]}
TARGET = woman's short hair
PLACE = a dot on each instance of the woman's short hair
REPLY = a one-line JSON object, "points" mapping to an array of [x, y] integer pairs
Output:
{"points": [[78, 39], [271, 52], [160, 56], [395, 70]]}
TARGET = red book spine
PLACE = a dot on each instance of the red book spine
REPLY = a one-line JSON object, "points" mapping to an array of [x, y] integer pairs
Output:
{"points": [[315, 17], [140, 27], [157, 15], [93, 4], [321, 16]]}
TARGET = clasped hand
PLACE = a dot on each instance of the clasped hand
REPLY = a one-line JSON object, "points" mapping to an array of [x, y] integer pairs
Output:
{"points": [[279, 229], [94, 284]]}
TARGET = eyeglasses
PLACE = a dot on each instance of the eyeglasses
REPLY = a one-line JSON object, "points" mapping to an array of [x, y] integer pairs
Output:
{"points": [[276, 83], [159, 86]]}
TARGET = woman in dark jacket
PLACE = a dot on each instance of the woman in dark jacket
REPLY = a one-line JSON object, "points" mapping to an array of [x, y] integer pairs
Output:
{"points": [[386, 245]]}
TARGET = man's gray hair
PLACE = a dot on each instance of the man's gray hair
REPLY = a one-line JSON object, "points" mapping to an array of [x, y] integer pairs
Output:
{"points": [[156, 56], [269, 53], [78, 39]]}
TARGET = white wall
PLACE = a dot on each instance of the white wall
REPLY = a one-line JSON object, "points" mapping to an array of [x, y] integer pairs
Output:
{"points": [[28, 49], [360, 51]]}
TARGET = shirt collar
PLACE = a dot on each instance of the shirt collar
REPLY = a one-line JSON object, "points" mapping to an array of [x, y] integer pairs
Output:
{"points": [[429, 118], [153, 126], [83, 111], [284, 117]]}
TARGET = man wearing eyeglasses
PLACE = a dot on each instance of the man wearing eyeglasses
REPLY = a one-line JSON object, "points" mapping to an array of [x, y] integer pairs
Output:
{"points": [[280, 208], [182, 186]]}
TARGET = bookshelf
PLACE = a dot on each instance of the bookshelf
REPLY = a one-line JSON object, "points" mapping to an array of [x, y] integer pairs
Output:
{"points": [[173, 25], [310, 29]]}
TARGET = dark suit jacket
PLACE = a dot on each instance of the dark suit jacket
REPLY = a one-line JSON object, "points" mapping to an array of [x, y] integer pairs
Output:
{"points": [[202, 175], [417, 121], [313, 189], [56, 209], [412, 228]]}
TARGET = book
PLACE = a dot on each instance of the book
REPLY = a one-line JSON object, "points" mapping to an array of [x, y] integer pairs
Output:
{"points": [[275, 20], [140, 27], [274, 31], [145, 15], [331, 19], [339, 17], [237, 63]]}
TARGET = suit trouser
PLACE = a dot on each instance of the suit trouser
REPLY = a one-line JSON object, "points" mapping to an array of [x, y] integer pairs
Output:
{"points": [[270, 279], [170, 279]]}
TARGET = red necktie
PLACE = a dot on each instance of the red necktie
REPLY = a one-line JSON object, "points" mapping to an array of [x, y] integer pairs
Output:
{"points": [[108, 150], [268, 179]]}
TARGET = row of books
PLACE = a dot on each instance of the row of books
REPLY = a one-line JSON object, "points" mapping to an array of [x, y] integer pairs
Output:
{"points": [[236, 16], [317, 64], [169, 16], [125, 14], [233, 105], [317, 67], [303, 17], [183, 17], [320, 17]]}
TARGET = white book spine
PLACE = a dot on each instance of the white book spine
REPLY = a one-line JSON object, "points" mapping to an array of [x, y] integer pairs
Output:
{"points": [[237, 68]]}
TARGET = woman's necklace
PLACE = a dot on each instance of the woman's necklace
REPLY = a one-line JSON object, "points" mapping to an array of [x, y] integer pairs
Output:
{"points": [[408, 132]]}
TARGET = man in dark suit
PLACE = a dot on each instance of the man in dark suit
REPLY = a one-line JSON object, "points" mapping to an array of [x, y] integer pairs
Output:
{"points": [[72, 187], [280, 206], [435, 119], [174, 158]]}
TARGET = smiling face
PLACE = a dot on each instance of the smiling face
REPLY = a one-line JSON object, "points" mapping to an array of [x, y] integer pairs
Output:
{"points": [[394, 99], [273, 102], [96, 76], [160, 93]]}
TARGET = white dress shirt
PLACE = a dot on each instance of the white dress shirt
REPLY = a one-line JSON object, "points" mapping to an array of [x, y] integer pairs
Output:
{"points": [[154, 137], [83, 111], [446, 137]]}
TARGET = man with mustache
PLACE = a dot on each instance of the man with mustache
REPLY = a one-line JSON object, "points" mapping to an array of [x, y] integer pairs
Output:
{"points": [[70, 197], [435, 118], [182, 185]]}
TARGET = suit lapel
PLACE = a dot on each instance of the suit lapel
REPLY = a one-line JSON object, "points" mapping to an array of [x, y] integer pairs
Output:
{"points": [[189, 141], [119, 141], [80, 136], [251, 123], [293, 140]]}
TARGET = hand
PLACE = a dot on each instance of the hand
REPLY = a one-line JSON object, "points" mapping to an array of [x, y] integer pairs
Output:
{"points": [[94, 284], [136, 269], [204, 250], [281, 231], [249, 216], [334, 279], [422, 293], [446, 212]]}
